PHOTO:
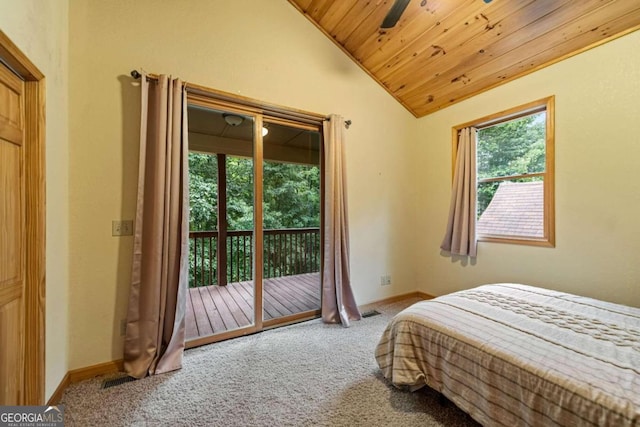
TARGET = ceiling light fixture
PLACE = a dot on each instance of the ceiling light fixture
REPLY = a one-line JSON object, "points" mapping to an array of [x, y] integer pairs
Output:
{"points": [[265, 131], [232, 119]]}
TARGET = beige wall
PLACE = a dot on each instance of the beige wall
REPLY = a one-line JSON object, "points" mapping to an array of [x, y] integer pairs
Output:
{"points": [[40, 30], [597, 184], [262, 49]]}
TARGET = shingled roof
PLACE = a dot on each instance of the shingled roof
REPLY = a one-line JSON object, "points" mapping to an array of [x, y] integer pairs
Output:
{"points": [[517, 209]]}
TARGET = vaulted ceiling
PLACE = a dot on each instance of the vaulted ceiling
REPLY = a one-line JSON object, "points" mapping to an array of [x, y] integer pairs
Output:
{"points": [[443, 51]]}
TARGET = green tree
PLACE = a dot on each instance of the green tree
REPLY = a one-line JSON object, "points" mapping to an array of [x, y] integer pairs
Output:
{"points": [[203, 191], [239, 193], [291, 194]]}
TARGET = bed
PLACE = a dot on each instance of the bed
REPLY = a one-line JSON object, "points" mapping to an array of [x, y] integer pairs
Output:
{"points": [[517, 355]]}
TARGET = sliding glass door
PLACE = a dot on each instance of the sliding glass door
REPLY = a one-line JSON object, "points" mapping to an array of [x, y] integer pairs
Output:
{"points": [[252, 264]]}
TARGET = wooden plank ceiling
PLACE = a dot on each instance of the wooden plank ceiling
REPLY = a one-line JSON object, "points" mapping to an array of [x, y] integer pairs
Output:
{"points": [[443, 51]]}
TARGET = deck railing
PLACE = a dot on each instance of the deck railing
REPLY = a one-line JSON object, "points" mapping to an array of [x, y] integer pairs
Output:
{"points": [[286, 252]]}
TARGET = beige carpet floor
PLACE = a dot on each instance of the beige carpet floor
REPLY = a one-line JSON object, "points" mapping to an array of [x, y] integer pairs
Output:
{"points": [[309, 374]]}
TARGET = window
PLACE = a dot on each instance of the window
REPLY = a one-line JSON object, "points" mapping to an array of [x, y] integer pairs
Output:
{"points": [[515, 172]]}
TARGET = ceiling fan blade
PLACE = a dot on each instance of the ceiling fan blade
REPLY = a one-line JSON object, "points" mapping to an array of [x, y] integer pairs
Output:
{"points": [[394, 14]]}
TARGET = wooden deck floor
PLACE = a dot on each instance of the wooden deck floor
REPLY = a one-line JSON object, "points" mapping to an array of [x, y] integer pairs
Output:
{"points": [[214, 309]]}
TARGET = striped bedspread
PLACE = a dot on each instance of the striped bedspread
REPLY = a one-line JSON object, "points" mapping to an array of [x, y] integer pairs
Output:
{"points": [[516, 355]]}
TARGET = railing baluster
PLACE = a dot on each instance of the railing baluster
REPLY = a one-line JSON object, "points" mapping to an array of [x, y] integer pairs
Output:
{"points": [[283, 256], [238, 261], [268, 259], [248, 256], [314, 250], [214, 261], [309, 252], [244, 258], [296, 253], [277, 253], [299, 253], [277, 243], [195, 261], [267, 250], [309, 265], [273, 242], [209, 281], [285, 259], [201, 261]]}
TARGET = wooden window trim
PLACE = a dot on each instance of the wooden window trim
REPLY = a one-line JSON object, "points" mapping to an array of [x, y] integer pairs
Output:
{"points": [[545, 104]]}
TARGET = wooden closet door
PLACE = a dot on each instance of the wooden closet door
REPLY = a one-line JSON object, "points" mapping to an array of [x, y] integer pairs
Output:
{"points": [[12, 238]]}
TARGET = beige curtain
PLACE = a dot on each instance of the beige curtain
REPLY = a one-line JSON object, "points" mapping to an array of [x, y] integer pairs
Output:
{"points": [[338, 303], [460, 238], [154, 340]]}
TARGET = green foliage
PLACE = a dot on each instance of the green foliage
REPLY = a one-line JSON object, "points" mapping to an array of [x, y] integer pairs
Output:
{"points": [[291, 194], [239, 193], [203, 190], [516, 147]]}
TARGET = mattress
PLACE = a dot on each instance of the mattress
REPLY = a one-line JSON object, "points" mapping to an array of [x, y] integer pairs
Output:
{"points": [[516, 355]]}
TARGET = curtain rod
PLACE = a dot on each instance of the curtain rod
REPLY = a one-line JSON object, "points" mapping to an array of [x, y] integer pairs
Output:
{"points": [[137, 75]]}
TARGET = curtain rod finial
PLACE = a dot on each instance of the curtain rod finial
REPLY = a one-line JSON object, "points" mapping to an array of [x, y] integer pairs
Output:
{"points": [[347, 123], [135, 74]]}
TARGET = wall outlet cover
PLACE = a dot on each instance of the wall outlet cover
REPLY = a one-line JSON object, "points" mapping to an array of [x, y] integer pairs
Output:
{"points": [[122, 228]]}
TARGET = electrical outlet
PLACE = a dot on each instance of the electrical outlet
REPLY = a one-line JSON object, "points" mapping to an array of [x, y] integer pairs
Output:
{"points": [[385, 280], [122, 228], [123, 327]]}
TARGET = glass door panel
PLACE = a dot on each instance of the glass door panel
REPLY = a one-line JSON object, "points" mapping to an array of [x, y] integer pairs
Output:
{"points": [[291, 223], [220, 301]]}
